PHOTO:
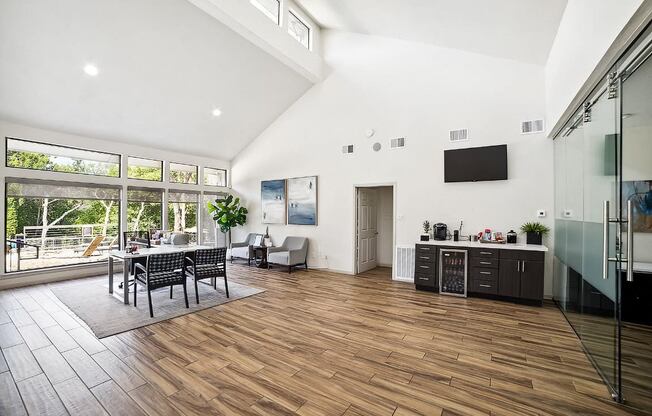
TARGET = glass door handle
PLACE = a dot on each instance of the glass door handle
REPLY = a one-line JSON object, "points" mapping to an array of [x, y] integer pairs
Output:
{"points": [[605, 240], [630, 242]]}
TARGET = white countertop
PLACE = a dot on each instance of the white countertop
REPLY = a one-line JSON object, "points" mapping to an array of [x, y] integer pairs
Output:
{"points": [[477, 244]]}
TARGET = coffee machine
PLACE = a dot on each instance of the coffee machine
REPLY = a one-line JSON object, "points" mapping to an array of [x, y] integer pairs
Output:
{"points": [[440, 231]]}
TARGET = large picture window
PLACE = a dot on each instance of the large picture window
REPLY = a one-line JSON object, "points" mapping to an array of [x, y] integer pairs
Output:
{"points": [[182, 212], [58, 223], [180, 173], [26, 154], [144, 169], [214, 177], [144, 209], [210, 234]]}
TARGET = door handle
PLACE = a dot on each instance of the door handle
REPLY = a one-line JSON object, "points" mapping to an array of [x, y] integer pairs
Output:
{"points": [[486, 253], [485, 285], [630, 242], [523, 266], [485, 262], [518, 266], [485, 272], [424, 267], [605, 240]]}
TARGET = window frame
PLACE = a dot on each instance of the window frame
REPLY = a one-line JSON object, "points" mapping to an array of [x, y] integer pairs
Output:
{"points": [[260, 8], [162, 190], [7, 138], [296, 15], [169, 175], [146, 158], [226, 177]]}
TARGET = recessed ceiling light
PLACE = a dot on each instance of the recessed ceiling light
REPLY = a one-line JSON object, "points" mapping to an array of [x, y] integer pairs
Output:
{"points": [[217, 112], [91, 70]]}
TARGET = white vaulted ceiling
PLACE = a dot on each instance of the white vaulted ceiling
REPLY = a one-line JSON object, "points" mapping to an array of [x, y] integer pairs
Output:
{"points": [[164, 66], [516, 29]]}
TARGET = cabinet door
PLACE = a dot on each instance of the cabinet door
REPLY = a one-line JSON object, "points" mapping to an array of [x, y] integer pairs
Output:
{"points": [[509, 278], [532, 280]]}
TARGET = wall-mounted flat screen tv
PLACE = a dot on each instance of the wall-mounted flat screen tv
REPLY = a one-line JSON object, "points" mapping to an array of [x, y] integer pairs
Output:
{"points": [[476, 164]]}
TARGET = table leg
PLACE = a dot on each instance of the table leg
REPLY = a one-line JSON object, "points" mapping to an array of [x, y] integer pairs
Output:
{"points": [[125, 281], [111, 274]]}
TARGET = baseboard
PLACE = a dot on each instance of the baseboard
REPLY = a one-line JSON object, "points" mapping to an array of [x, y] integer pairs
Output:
{"points": [[403, 279], [385, 265]]}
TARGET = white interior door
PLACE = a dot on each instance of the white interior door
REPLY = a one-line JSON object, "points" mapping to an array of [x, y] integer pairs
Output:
{"points": [[367, 229]]}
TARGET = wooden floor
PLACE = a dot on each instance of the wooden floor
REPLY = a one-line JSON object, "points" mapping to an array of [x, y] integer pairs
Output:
{"points": [[315, 343]]}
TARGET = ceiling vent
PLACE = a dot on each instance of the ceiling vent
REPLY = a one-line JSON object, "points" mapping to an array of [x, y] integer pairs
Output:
{"points": [[397, 143], [347, 149], [532, 126], [458, 135]]}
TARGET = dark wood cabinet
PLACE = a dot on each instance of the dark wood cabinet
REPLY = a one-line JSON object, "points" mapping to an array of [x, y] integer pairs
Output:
{"points": [[508, 274], [532, 280], [509, 281]]}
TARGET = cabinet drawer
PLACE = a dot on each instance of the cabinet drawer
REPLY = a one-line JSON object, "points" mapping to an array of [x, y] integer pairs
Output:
{"points": [[522, 255], [424, 249], [425, 257], [484, 262], [425, 279], [485, 253], [478, 273], [425, 268], [489, 287]]}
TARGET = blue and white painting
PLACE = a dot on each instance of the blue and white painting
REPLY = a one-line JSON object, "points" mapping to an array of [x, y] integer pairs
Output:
{"points": [[302, 200], [640, 193], [272, 200]]}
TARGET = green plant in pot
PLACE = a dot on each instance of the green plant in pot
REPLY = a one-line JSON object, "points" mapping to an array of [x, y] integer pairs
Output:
{"points": [[227, 214], [534, 232], [426, 231]]}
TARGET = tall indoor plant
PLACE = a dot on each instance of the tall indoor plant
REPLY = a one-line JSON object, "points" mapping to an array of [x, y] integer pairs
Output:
{"points": [[227, 214]]}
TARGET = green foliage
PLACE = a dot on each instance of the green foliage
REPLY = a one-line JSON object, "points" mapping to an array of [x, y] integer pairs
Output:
{"points": [[227, 213], [143, 172], [535, 227], [426, 227]]}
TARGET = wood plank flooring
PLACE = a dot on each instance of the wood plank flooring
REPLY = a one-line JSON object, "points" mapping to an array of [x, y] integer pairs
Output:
{"points": [[315, 343]]}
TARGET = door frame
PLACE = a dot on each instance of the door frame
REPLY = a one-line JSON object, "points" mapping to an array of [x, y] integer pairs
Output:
{"points": [[392, 185]]}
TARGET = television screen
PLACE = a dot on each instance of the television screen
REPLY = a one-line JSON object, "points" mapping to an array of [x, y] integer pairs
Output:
{"points": [[476, 164]]}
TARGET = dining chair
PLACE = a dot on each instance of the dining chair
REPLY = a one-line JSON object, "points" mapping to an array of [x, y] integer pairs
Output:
{"points": [[162, 270], [208, 264]]}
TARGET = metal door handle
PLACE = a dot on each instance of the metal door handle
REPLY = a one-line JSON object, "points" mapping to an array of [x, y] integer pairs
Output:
{"points": [[486, 253], [425, 267], [485, 285], [518, 266], [424, 257], [424, 278], [605, 240], [523, 266], [485, 262], [485, 272], [630, 242]]}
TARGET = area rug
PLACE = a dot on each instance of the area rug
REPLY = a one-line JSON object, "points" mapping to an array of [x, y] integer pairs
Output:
{"points": [[106, 315]]}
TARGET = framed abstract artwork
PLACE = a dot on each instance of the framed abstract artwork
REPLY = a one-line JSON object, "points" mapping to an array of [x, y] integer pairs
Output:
{"points": [[640, 193], [302, 200], [273, 201]]}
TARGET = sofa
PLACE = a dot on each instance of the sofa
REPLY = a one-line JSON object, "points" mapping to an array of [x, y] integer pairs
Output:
{"points": [[293, 252]]}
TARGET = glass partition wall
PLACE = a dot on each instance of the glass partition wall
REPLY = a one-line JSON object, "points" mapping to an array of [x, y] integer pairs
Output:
{"points": [[603, 226]]}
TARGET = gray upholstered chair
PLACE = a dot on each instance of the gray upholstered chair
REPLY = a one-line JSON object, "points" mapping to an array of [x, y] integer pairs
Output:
{"points": [[293, 252], [244, 249]]}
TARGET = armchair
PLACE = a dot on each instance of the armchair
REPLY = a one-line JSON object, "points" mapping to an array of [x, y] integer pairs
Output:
{"points": [[293, 252], [244, 249]]}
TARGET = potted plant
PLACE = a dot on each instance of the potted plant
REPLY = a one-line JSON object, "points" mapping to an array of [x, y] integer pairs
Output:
{"points": [[227, 214], [534, 232], [426, 231]]}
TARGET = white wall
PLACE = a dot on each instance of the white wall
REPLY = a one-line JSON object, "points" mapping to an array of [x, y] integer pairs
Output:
{"points": [[385, 247], [416, 91], [587, 29]]}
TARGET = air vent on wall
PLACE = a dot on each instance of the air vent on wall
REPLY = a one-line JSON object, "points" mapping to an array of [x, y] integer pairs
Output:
{"points": [[458, 135], [398, 143], [532, 126], [347, 149]]}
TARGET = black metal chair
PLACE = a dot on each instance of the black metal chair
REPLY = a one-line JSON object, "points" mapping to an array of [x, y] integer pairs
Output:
{"points": [[208, 264], [162, 270], [140, 238]]}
